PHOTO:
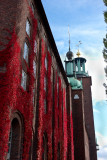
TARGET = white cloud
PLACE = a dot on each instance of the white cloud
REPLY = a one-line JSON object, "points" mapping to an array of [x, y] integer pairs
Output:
{"points": [[95, 67], [102, 153], [95, 110], [61, 31], [101, 140]]}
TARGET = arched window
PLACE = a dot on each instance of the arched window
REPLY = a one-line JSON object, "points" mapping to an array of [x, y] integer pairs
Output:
{"points": [[58, 152], [15, 140], [45, 147]]}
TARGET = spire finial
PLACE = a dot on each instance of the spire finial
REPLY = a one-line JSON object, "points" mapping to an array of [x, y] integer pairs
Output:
{"points": [[69, 37], [78, 45]]}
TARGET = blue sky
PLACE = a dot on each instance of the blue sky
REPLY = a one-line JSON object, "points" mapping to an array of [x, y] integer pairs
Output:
{"points": [[86, 23]]}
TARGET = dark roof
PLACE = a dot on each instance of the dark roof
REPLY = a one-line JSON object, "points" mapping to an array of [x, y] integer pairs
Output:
{"points": [[50, 37]]}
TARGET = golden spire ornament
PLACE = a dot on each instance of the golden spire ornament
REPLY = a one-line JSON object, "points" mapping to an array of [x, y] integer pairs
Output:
{"points": [[78, 45], [78, 53]]}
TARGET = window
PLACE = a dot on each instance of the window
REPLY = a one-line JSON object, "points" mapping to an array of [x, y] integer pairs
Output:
{"points": [[48, 48], [34, 68], [76, 69], [45, 106], [24, 80], [39, 24], [14, 141], [58, 152], [33, 96], [28, 27], [32, 6], [9, 144], [35, 47], [45, 147], [46, 63], [45, 83], [3, 68], [44, 37], [26, 52]]}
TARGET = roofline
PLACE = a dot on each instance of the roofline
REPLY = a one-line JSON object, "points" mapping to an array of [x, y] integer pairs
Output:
{"points": [[50, 37]]}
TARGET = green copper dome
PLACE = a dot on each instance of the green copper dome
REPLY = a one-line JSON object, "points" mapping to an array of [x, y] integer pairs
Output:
{"points": [[75, 84]]}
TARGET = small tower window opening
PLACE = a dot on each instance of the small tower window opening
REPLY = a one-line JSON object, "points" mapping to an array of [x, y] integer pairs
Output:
{"points": [[76, 69], [26, 52], [14, 151], [45, 147], [28, 27], [81, 68], [24, 80]]}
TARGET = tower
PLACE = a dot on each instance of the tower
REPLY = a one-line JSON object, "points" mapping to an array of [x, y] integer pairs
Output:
{"points": [[84, 133]]}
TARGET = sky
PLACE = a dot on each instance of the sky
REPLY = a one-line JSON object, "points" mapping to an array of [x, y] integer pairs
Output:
{"points": [[86, 24]]}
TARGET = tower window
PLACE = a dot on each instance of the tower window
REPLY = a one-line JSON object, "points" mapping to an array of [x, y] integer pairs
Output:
{"points": [[28, 27], [24, 80], [26, 52]]}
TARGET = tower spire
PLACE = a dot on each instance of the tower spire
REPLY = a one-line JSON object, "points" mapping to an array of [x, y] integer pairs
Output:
{"points": [[69, 37]]}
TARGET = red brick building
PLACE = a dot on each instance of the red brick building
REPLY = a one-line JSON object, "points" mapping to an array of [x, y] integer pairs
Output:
{"points": [[36, 100]]}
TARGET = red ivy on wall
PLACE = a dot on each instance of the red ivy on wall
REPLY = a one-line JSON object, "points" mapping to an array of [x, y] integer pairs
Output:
{"points": [[41, 101], [65, 125], [45, 116], [72, 142], [12, 95]]}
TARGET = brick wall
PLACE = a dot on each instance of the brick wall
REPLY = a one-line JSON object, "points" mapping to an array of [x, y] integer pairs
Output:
{"points": [[78, 124], [88, 111]]}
